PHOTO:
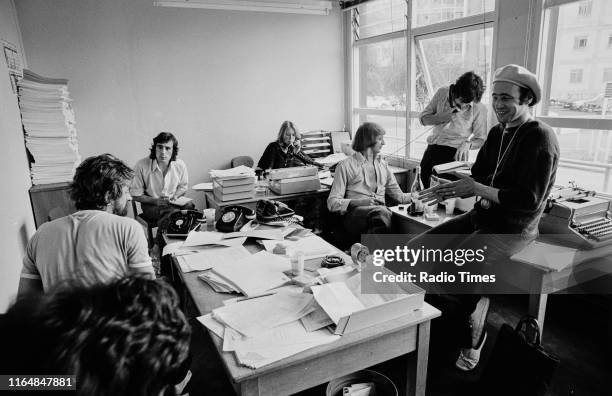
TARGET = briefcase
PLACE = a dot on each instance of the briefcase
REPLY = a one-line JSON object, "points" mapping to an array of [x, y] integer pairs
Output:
{"points": [[519, 365]]}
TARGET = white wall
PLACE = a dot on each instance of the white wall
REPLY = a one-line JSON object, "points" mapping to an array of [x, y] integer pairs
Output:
{"points": [[222, 81], [16, 221]]}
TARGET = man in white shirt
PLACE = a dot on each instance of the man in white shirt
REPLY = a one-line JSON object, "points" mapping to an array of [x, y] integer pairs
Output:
{"points": [[459, 123], [160, 178], [361, 182], [94, 245]]}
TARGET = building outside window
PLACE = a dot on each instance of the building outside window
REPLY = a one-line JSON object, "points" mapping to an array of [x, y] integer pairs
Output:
{"points": [[576, 76], [577, 107], [584, 8], [580, 42]]}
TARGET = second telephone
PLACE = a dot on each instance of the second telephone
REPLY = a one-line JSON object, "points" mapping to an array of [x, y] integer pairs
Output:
{"points": [[234, 217]]}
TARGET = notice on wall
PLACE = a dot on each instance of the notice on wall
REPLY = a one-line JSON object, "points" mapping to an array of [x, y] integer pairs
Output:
{"points": [[13, 62]]}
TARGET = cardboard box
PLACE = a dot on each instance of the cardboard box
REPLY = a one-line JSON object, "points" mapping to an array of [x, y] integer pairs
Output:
{"points": [[383, 312], [295, 185]]}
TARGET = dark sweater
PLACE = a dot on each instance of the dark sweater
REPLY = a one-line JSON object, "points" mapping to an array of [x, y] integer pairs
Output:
{"points": [[274, 157], [524, 177]]}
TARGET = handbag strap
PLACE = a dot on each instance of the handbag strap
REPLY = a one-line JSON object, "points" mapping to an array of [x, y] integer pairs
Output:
{"points": [[529, 322]]}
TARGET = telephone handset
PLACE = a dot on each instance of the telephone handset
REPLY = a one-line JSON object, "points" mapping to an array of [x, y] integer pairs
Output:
{"points": [[183, 221], [234, 217]]}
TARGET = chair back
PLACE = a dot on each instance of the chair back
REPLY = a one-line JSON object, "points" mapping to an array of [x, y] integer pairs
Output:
{"points": [[242, 160]]}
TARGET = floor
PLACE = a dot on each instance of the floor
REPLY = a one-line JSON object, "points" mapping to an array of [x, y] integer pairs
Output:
{"points": [[577, 330]]}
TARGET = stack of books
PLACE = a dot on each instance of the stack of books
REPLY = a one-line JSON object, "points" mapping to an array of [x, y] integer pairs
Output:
{"points": [[233, 184], [50, 128]]}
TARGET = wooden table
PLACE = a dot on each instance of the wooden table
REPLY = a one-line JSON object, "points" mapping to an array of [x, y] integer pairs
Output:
{"points": [[321, 364], [542, 280]]}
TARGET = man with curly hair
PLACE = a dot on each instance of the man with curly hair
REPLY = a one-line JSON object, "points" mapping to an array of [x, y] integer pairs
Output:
{"points": [[95, 244], [127, 337]]}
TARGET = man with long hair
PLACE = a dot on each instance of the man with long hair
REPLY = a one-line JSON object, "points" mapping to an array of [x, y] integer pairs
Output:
{"points": [[160, 178], [361, 182], [95, 244], [127, 337]]}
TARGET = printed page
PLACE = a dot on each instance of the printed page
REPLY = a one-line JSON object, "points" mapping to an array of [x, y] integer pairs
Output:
{"points": [[336, 300]]}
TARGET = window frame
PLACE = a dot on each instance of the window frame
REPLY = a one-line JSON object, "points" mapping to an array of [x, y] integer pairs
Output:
{"points": [[354, 112]]}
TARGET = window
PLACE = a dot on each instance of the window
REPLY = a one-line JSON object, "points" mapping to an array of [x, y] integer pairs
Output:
{"points": [[576, 76], [576, 107], [580, 42], [584, 8], [397, 68]]}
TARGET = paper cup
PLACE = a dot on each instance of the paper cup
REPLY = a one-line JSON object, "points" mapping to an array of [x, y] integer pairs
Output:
{"points": [[209, 215], [297, 263], [450, 206]]}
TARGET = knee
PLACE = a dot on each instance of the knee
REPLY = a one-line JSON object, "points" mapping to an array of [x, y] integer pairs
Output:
{"points": [[381, 213]]}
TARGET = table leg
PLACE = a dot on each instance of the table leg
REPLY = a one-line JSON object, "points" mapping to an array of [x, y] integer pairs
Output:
{"points": [[417, 376], [537, 308], [249, 388]]}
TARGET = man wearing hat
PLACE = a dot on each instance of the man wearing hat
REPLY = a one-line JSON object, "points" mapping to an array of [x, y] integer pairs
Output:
{"points": [[513, 174]]}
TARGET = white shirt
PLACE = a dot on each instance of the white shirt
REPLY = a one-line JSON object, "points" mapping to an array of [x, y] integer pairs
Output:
{"points": [[463, 124], [149, 179]]}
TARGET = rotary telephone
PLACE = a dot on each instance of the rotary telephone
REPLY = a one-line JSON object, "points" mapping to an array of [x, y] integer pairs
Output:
{"points": [[234, 217], [183, 221]]}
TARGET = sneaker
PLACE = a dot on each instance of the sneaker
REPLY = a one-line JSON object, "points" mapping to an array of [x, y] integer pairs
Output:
{"points": [[469, 357], [478, 319]]}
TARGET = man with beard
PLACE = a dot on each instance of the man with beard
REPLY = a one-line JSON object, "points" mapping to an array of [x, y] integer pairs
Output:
{"points": [[95, 244]]}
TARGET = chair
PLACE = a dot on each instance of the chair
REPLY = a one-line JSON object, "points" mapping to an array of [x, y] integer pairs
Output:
{"points": [[142, 219], [242, 160]]}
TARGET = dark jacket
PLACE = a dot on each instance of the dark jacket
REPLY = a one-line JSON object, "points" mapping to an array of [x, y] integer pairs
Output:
{"points": [[525, 175], [274, 157]]}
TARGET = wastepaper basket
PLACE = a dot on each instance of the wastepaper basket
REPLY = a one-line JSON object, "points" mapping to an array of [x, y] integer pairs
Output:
{"points": [[384, 386]]}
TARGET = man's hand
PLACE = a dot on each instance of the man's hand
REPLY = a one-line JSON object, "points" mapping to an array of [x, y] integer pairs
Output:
{"points": [[462, 188], [463, 152], [443, 118], [371, 201]]}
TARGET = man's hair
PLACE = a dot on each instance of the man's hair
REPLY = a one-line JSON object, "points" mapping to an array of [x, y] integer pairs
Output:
{"points": [[526, 95], [128, 337], [165, 137], [366, 136], [98, 181], [469, 87], [285, 126]]}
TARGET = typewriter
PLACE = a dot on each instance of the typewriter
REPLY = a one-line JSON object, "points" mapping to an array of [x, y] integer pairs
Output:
{"points": [[576, 217]]}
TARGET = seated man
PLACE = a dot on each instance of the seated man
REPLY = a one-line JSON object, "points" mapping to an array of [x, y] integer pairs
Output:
{"points": [[160, 178], [361, 182], [95, 244], [128, 337]]}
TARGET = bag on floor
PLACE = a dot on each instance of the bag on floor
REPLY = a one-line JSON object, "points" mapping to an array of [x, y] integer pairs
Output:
{"points": [[518, 364]]}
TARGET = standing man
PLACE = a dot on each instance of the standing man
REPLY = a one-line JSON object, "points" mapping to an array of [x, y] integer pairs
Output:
{"points": [[513, 174], [160, 178], [97, 243], [459, 123], [361, 182]]}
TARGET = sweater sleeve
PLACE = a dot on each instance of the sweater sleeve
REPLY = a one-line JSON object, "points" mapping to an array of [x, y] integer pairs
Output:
{"points": [[267, 159]]}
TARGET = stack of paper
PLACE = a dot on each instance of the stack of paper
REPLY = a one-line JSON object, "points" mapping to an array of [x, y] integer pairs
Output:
{"points": [[50, 128], [451, 166], [232, 184], [210, 258], [255, 274], [267, 329]]}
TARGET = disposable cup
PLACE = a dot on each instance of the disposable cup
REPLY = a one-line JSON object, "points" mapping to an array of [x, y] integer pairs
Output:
{"points": [[450, 206], [297, 263], [209, 215]]}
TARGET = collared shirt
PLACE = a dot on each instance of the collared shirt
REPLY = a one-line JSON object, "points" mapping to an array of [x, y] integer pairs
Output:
{"points": [[463, 124], [149, 179], [351, 182], [89, 246]]}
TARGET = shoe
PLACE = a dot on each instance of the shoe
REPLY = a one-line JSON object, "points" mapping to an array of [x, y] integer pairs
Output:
{"points": [[478, 319], [469, 357]]}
